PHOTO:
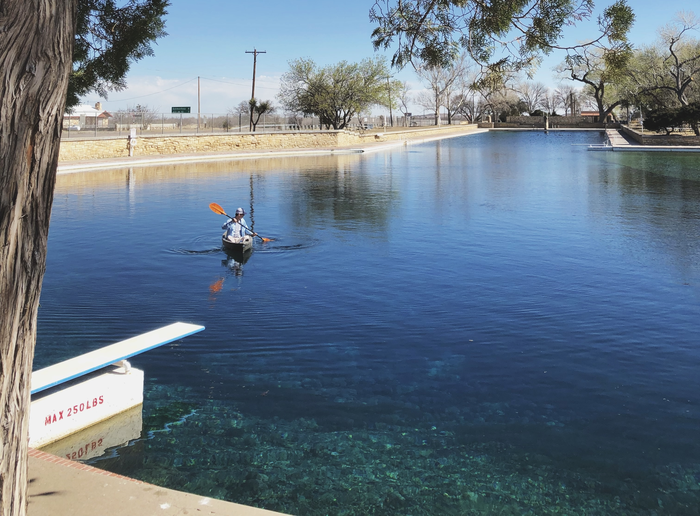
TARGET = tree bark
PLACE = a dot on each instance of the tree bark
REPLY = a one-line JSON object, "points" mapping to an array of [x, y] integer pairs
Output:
{"points": [[36, 45]]}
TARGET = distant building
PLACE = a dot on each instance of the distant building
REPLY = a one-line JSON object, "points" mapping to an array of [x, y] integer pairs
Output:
{"points": [[594, 115], [86, 117]]}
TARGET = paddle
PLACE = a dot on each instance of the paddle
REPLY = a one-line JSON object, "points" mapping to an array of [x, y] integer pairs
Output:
{"points": [[220, 211]]}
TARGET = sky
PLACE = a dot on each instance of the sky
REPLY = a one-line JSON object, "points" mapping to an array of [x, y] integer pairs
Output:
{"points": [[204, 56]]}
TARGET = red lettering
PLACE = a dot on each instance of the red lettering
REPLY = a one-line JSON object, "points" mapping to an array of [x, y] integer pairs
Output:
{"points": [[101, 400], [82, 407], [87, 405], [73, 456], [70, 411], [99, 443], [60, 414], [75, 409], [47, 421], [80, 452], [94, 402], [54, 418], [94, 445]]}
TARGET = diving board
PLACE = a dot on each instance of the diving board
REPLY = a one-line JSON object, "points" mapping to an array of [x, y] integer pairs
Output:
{"points": [[75, 395], [75, 367]]}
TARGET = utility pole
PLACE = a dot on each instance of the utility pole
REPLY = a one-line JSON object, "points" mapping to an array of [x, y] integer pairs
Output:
{"points": [[255, 53], [391, 116], [199, 96]]}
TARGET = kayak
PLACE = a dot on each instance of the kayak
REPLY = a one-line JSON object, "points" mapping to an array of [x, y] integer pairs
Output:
{"points": [[240, 245]]}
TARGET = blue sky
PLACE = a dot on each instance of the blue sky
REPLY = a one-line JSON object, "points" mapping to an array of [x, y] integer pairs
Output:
{"points": [[209, 39]]}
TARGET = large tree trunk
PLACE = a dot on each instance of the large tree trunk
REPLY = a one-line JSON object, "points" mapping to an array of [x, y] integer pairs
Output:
{"points": [[36, 44]]}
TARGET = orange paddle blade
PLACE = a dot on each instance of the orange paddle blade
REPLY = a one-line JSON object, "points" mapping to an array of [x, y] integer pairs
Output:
{"points": [[217, 209]]}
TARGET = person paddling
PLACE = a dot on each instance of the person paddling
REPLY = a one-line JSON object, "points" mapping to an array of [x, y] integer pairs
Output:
{"points": [[236, 228], [236, 220]]}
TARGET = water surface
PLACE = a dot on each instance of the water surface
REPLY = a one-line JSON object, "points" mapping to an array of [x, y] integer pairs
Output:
{"points": [[501, 323]]}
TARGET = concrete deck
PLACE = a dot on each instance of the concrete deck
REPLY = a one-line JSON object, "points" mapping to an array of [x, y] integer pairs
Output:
{"points": [[621, 144], [616, 139], [59, 487]]}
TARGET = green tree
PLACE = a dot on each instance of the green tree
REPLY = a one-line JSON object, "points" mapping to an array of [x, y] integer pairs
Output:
{"points": [[258, 109], [108, 39], [670, 118], [602, 71], [664, 75], [44, 46], [435, 32], [334, 93]]}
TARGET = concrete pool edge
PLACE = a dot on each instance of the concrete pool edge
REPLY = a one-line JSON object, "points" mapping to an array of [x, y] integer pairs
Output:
{"points": [[61, 487], [141, 161]]}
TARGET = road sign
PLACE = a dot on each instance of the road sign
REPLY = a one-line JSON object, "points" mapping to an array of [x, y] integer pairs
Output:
{"points": [[181, 109]]}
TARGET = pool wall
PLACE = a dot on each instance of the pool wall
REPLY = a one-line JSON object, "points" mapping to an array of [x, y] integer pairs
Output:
{"points": [[102, 148]]}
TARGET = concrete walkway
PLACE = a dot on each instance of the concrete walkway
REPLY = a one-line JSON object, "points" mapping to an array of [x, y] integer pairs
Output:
{"points": [[615, 138], [620, 143], [59, 487]]}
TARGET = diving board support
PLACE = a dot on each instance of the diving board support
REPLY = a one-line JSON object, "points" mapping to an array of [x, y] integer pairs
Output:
{"points": [[75, 394]]}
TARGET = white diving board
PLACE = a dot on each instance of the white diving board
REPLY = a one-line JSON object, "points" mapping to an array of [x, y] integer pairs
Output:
{"points": [[76, 367]]}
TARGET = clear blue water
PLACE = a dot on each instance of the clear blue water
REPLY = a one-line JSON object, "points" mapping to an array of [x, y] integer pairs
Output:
{"points": [[496, 324]]}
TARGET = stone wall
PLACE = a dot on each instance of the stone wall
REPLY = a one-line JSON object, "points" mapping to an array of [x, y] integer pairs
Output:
{"points": [[531, 121], [583, 122], [103, 148], [660, 139]]}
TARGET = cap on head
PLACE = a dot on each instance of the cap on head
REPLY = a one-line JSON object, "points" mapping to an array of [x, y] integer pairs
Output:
{"points": [[239, 211]]}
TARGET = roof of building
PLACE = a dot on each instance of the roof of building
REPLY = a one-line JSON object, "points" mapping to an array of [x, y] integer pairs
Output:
{"points": [[86, 110]]}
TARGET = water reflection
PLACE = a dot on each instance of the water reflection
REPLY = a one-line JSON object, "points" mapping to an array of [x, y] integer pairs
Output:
{"points": [[656, 197], [492, 324]]}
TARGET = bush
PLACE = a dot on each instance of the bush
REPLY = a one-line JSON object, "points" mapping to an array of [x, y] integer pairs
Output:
{"points": [[670, 119]]}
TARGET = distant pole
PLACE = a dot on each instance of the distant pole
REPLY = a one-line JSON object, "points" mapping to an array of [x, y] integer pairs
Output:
{"points": [[255, 53], [391, 116], [198, 102]]}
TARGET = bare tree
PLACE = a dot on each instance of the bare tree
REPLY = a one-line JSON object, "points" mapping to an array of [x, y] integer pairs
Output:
{"points": [[683, 59], [550, 102], [141, 114], [569, 98], [497, 95], [243, 108], [468, 106], [532, 94], [440, 81], [404, 98]]}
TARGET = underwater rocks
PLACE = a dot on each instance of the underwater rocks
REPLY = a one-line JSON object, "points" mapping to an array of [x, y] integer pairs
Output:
{"points": [[388, 466]]}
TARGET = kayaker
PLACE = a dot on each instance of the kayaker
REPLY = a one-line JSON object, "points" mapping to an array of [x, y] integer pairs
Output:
{"points": [[236, 228]]}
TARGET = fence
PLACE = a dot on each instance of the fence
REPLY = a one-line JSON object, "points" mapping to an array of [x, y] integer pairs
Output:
{"points": [[145, 123]]}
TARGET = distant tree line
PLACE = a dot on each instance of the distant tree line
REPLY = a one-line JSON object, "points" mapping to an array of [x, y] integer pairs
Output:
{"points": [[656, 83]]}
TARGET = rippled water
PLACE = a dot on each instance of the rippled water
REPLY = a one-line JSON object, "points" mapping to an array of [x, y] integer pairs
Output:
{"points": [[496, 324]]}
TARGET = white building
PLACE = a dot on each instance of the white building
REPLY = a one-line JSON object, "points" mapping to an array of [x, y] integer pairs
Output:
{"points": [[84, 116]]}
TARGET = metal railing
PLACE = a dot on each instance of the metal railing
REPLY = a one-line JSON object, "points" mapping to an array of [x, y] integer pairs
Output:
{"points": [[146, 123]]}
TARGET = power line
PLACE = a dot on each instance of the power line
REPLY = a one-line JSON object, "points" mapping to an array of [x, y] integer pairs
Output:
{"points": [[156, 93]]}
